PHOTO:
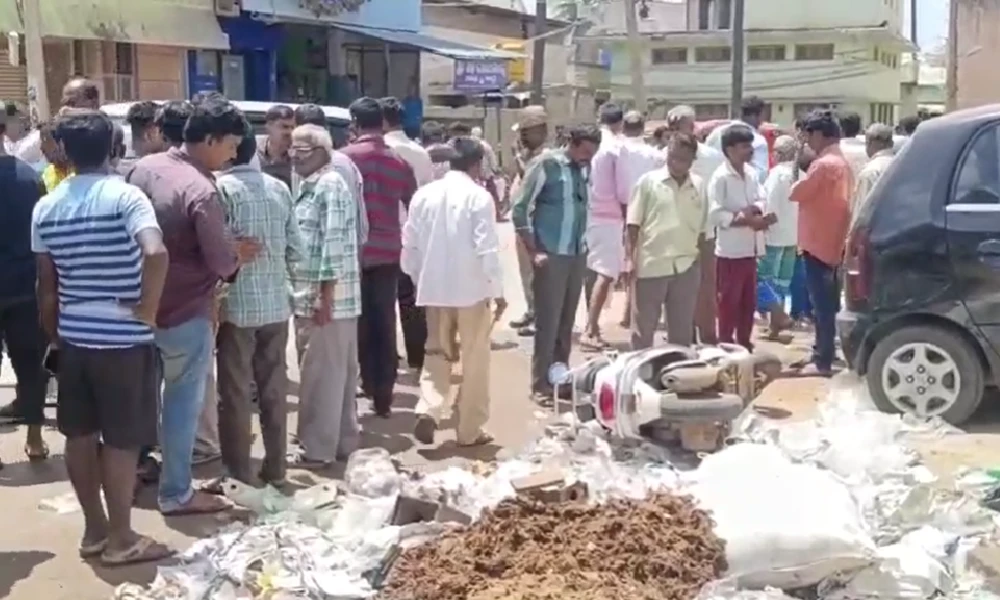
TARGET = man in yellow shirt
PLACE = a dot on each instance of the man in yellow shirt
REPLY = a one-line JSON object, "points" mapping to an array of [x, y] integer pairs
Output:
{"points": [[666, 224], [58, 169]]}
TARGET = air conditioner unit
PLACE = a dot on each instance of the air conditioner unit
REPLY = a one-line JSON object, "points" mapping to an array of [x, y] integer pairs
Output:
{"points": [[227, 8]]}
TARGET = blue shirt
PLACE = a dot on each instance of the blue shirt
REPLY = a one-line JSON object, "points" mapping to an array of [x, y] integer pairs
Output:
{"points": [[88, 225], [22, 188], [552, 204]]}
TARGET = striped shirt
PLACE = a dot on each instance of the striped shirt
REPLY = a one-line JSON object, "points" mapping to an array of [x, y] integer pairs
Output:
{"points": [[551, 204], [388, 180], [327, 216], [88, 224], [260, 206]]}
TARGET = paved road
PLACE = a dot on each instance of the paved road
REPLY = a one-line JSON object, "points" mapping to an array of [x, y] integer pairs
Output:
{"points": [[38, 548]]}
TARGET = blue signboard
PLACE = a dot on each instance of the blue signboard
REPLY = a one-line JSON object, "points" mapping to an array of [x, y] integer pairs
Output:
{"points": [[476, 76]]}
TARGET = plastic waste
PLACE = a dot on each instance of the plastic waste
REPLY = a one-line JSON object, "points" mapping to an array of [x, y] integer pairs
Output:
{"points": [[370, 473]]}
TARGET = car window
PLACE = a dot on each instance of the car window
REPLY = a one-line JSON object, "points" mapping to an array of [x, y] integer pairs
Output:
{"points": [[978, 180]]}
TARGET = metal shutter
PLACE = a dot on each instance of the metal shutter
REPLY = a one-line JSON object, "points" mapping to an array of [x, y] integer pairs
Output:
{"points": [[13, 81]]}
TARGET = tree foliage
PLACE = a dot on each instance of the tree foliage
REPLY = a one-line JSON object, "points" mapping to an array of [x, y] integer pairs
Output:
{"points": [[331, 8]]}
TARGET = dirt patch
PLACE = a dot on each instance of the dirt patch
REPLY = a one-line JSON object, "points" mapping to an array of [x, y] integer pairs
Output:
{"points": [[661, 548]]}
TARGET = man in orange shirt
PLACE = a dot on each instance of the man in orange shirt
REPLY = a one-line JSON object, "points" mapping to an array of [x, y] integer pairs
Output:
{"points": [[824, 216]]}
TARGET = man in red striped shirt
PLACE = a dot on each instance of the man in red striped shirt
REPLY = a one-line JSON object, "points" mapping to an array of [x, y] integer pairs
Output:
{"points": [[389, 183]]}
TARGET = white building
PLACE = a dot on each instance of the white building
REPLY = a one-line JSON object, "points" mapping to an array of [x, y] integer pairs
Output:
{"points": [[799, 55]]}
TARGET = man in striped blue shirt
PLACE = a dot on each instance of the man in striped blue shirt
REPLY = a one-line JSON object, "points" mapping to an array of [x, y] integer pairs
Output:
{"points": [[101, 270]]}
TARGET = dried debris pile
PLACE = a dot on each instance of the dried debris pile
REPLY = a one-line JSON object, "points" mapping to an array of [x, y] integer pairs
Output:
{"points": [[662, 547]]}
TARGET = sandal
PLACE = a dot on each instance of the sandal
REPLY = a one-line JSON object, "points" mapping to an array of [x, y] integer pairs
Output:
{"points": [[481, 440], [309, 464], [592, 343], [93, 549], [201, 503], [142, 551], [40, 455]]}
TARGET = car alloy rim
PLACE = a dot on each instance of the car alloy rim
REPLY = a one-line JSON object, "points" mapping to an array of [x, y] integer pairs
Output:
{"points": [[921, 378]]}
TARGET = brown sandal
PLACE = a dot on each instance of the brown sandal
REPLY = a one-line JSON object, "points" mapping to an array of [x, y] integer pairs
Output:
{"points": [[144, 550], [37, 456]]}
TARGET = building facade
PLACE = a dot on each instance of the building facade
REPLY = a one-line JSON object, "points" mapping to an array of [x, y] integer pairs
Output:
{"points": [[978, 50], [799, 56], [133, 50]]}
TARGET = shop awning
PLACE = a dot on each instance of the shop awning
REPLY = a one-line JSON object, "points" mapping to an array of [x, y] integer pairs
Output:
{"points": [[431, 44], [187, 24]]}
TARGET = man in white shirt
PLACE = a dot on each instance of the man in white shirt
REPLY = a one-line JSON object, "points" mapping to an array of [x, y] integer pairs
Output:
{"points": [[851, 146], [411, 316], [451, 251], [752, 116], [735, 198], [880, 148], [777, 266], [682, 120]]}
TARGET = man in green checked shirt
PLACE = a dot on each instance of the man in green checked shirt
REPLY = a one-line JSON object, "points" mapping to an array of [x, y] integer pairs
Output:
{"points": [[327, 303]]}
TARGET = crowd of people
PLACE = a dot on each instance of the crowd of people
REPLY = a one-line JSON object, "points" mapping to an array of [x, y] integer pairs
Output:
{"points": [[706, 231], [158, 274], [158, 288]]}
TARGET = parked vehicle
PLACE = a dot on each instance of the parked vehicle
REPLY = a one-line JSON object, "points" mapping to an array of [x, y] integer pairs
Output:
{"points": [[337, 119], [922, 272]]}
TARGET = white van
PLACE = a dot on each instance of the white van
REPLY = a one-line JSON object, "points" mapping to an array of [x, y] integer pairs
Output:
{"points": [[337, 118]]}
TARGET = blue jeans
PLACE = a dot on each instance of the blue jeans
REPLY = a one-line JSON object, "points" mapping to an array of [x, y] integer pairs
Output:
{"points": [[801, 307], [824, 293], [186, 354]]}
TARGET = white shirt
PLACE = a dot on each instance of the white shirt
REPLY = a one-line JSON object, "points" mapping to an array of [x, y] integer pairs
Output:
{"points": [[856, 153], [450, 244], [707, 162], [777, 193], [415, 156], [867, 179], [28, 149], [635, 159], [728, 194]]}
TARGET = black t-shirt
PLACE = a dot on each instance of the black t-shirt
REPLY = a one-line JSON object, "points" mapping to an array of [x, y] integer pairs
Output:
{"points": [[20, 189]]}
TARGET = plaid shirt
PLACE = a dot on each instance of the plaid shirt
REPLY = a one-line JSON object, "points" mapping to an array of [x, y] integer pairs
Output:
{"points": [[260, 206], [327, 215], [388, 180]]}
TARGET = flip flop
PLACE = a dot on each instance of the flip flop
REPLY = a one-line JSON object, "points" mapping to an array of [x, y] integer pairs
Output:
{"points": [[302, 461], [142, 551], [481, 440], [93, 549], [210, 505]]}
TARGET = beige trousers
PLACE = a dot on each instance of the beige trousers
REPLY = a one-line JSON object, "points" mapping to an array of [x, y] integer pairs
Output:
{"points": [[207, 439], [472, 406]]}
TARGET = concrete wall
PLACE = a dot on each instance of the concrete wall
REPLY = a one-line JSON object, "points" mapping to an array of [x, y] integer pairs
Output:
{"points": [[793, 14], [978, 52]]}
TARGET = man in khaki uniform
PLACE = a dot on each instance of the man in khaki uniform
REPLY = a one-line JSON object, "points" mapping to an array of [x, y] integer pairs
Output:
{"points": [[532, 131]]}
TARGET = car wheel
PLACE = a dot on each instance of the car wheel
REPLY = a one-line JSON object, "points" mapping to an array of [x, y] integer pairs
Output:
{"points": [[927, 371]]}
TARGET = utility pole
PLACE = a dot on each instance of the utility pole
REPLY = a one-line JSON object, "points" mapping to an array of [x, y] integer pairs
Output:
{"points": [[635, 48], [35, 58], [538, 53], [951, 82], [737, 52]]}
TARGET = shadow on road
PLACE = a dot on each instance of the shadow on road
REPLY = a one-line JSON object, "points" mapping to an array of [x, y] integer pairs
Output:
{"points": [[16, 566], [25, 473]]}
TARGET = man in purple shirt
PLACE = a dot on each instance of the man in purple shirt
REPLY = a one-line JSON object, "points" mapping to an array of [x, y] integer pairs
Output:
{"points": [[388, 180], [202, 252]]}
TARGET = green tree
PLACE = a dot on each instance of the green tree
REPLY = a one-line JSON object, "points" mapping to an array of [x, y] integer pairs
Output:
{"points": [[331, 8]]}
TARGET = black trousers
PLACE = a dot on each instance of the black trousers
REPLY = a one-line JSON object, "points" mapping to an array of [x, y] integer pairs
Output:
{"points": [[414, 323], [377, 333], [25, 345]]}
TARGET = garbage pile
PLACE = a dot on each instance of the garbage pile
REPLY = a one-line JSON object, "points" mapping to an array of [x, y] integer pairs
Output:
{"points": [[839, 505], [661, 548]]}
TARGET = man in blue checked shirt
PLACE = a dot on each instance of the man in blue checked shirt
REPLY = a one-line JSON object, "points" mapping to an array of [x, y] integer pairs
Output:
{"points": [[253, 328]]}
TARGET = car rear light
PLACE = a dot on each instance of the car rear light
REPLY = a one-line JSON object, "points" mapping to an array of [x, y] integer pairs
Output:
{"points": [[606, 402], [857, 268]]}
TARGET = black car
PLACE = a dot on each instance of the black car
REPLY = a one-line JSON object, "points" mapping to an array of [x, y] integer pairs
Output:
{"points": [[922, 272]]}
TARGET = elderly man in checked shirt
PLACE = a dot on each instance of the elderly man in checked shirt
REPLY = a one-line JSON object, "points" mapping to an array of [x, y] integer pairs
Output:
{"points": [[253, 333], [327, 303]]}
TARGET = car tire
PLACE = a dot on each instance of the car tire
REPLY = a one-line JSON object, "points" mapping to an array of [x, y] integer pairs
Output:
{"points": [[964, 356]]}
